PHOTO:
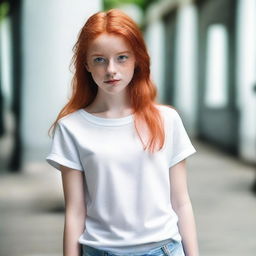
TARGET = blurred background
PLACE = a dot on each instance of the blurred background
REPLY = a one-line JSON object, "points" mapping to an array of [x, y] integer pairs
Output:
{"points": [[203, 62]]}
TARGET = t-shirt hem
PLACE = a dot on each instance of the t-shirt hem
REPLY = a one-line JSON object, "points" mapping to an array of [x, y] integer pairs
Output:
{"points": [[133, 248], [56, 160]]}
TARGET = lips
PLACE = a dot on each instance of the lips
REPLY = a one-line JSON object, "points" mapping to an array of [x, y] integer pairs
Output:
{"points": [[111, 81]]}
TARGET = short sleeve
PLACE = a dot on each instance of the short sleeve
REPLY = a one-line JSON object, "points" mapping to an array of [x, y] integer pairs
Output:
{"points": [[63, 150], [181, 146]]}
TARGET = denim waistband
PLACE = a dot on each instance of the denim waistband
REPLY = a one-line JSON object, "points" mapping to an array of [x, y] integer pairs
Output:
{"points": [[165, 247]]}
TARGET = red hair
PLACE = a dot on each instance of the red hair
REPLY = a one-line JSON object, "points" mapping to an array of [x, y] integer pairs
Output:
{"points": [[141, 90]]}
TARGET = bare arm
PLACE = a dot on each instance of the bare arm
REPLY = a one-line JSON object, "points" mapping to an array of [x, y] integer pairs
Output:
{"points": [[182, 206], [75, 210]]}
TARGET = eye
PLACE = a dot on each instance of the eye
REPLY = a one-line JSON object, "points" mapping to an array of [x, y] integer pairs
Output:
{"points": [[99, 60], [122, 58]]}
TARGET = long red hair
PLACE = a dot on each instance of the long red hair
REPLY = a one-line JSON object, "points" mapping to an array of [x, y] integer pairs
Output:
{"points": [[141, 90]]}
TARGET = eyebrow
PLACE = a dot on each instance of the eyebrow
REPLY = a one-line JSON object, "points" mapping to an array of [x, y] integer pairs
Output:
{"points": [[99, 54]]}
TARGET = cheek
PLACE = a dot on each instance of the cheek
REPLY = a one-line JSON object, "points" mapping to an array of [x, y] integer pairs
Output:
{"points": [[97, 73], [129, 68]]}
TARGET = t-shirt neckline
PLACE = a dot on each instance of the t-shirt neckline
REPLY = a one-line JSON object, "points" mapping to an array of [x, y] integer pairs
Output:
{"points": [[107, 121]]}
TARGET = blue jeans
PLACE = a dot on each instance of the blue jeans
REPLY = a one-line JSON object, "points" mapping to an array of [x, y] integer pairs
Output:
{"points": [[173, 248]]}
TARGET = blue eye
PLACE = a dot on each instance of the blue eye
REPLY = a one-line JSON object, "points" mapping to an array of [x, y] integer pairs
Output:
{"points": [[122, 57], [99, 60]]}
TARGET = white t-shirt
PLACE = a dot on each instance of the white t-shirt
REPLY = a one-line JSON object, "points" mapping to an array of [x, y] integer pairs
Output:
{"points": [[127, 189]]}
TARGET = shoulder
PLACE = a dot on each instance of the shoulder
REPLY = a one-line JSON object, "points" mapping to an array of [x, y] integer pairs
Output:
{"points": [[70, 123], [70, 119]]}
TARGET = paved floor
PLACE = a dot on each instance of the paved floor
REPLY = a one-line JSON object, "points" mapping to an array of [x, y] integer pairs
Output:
{"points": [[31, 207]]}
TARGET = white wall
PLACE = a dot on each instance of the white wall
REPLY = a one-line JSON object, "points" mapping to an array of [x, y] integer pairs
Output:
{"points": [[246, 77], [50, 29]]}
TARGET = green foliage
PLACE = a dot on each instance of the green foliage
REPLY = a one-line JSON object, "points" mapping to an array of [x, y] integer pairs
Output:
{"points": [[4, 9], [143, 4]]}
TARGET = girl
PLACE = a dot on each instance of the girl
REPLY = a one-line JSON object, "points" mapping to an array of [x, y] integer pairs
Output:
{"points": [[121, 154]]}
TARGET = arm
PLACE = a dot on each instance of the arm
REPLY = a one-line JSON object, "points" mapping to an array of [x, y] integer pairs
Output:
{"points": [[75, 210], [182, 206]]}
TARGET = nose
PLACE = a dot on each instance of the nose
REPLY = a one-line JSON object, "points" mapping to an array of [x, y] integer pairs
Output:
{"points": [[111, 68]]}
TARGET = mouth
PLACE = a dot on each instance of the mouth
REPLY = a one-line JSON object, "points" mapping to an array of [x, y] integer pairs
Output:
{"points": [[111, 81]]}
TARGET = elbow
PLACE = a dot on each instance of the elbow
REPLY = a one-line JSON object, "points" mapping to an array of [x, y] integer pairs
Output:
{"points": [[178, 204], [77, 213]]}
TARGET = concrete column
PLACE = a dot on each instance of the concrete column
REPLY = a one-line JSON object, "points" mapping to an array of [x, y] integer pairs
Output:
{"points": [[186, 63], [246, 77], [50, 29], [154, 37], [5, 49]]}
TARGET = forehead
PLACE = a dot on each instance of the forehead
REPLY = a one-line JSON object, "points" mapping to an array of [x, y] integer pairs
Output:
{"points": [[108, 43]]}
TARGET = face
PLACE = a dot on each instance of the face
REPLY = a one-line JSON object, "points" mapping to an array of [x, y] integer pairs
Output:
{"points": [[111, 62]]}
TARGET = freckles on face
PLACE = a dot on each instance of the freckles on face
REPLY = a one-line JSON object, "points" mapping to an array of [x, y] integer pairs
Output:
{"points": [[110, 57]]}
